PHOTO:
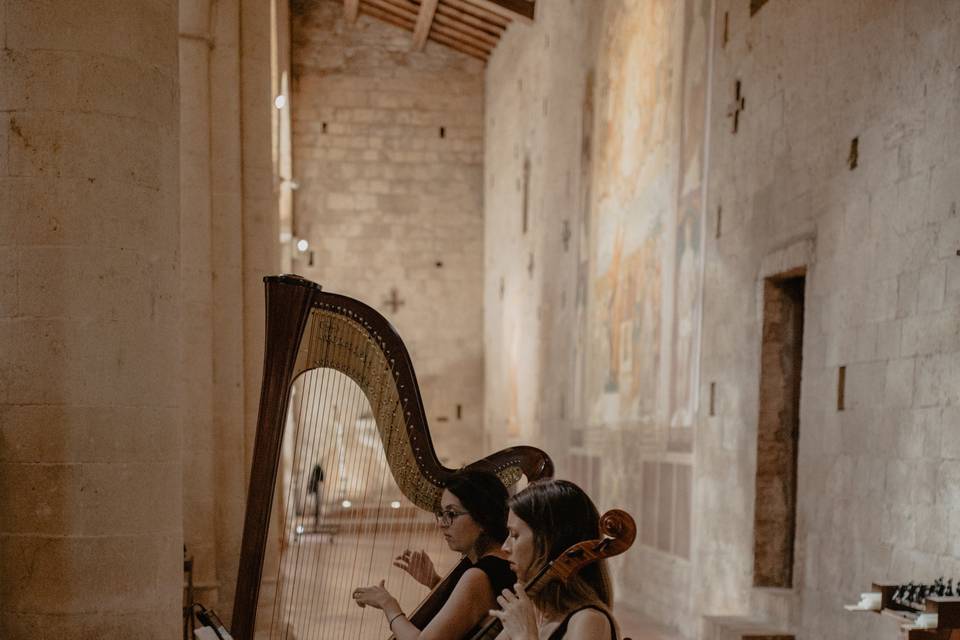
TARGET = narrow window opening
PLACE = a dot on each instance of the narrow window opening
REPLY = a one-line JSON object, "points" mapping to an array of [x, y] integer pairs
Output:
{"points": [[459, 412], [526, 193], [323, 127], [713, 399], [719, 220], [778, 429], [841, 387], [443, 132]]}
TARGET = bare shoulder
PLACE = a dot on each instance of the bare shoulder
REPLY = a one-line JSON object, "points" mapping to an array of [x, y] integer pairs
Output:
{"points": [[588, 624], [466, 606], [474, 581]]}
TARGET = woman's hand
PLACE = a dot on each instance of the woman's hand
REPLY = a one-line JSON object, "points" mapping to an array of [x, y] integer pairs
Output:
{"points": [[419, 565], [375, 596], [517, 613]]}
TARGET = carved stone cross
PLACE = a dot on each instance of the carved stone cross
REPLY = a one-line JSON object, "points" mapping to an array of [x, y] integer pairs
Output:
{"points": [[736, 107], [394, 301]]}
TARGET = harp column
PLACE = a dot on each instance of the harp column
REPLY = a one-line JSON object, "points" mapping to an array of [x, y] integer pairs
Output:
{"points": [[90, 471]]}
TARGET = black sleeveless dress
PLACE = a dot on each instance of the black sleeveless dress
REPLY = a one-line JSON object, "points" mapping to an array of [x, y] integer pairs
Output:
{"points": [[499, 573], [561, 631]]}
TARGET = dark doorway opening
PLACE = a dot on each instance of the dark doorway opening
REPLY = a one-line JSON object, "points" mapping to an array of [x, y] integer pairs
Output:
{"points": [[778, 429]]}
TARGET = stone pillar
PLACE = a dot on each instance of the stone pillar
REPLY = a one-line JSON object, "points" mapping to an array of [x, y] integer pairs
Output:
{"points": [[90, 472], [200, 444], [244, 233]]}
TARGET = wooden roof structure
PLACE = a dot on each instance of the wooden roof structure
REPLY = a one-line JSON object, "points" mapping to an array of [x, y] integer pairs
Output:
{"points": [[472, 27]]}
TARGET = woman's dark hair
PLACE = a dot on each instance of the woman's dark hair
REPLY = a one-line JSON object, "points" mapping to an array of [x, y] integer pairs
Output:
{"points": [[560, 515], [483, 495]]}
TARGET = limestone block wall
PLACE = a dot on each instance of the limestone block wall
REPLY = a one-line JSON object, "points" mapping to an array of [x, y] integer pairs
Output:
{"points": [[387, 155], [90, 436], [228, 242], [593, 202], [874, 221], [841, 165], [199, 441]]}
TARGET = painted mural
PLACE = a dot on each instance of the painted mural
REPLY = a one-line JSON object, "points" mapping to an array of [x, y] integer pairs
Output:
{"points": [[646, 219], [684, 372], [632, 191]]}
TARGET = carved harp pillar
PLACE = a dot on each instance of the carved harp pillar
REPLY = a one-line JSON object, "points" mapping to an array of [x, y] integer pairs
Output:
{"points": [[340, 405]]}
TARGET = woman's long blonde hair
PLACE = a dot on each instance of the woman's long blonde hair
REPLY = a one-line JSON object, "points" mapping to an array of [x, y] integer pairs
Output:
{"points": [[560, 515]]}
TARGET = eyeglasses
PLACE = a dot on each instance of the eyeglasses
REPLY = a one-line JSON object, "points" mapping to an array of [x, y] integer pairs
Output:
{"points": [[446, 517]]}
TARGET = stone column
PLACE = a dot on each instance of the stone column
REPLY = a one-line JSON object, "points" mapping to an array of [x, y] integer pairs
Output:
{"points": [[90, 472], [200, 444]]}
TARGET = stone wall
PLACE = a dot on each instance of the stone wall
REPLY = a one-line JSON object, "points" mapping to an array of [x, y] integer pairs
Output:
{"points": [[91, 527], [593, 214], [387, 151], [874, 224], [228, 242], [876, 228]]}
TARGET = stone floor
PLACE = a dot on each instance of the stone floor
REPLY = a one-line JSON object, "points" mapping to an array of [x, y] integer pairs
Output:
{"points": [[318, 572], [637, 626], [317, 604]]}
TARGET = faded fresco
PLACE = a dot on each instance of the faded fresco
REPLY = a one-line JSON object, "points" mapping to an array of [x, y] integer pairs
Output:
{"points": [[633, 194], [688, 253], [646, 219]]}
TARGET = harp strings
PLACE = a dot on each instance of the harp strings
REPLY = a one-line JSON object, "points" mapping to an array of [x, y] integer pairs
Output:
{"points": [[361, 462], [299, 409], [358, 519], [304, 433], [324, 414]]}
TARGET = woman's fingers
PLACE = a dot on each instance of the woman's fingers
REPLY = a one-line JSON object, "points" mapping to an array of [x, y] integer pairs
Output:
{"points": [[506, 598], [358, 598]]}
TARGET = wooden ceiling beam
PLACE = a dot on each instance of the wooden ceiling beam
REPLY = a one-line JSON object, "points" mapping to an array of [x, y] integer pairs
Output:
{"points": [[490, 36], [386, 12], [350, 10], [510, 9], [475, 52], [469, 19], [493, 18], [407, 5], [403, 14], [402, 17], [453, 34], [424, 21], [466, 29]]}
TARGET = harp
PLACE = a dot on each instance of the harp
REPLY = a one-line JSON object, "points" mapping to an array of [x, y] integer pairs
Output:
{"points": [[339, 391]]}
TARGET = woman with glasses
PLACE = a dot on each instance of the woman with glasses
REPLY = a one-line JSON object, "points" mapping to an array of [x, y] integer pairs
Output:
{"points": [[473, 519], [546, 519]]}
